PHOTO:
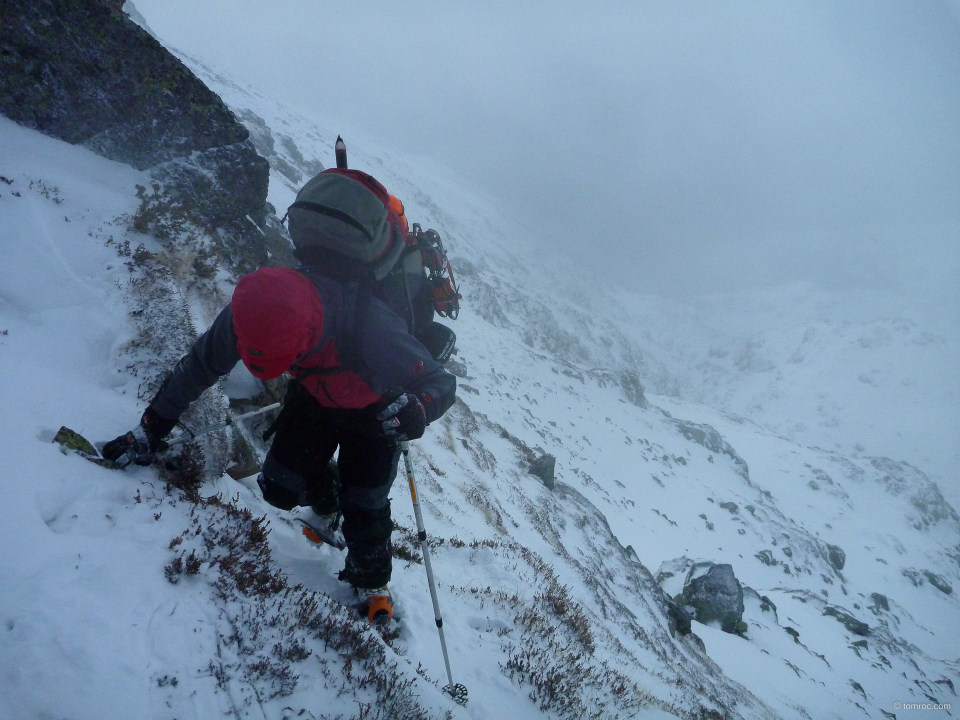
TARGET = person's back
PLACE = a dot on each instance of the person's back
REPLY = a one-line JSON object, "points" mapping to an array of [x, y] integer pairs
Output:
{"points": [[360, 379]]}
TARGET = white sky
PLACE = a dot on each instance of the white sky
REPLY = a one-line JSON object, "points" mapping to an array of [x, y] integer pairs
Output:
{"points": [[687, 146]]}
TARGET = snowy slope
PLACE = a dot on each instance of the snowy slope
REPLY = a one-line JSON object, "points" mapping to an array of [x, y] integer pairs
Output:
{"points": [[87, 604], [861, 372], [549, 607]]}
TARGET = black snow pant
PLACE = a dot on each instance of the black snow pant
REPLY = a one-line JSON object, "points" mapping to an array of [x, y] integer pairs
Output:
{"points": [[298, 470]]}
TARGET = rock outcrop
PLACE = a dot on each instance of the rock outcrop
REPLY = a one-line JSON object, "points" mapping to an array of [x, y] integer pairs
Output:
{"points": [[710, 592], [836, 556], [544, 467], [715, 594], [85, 73], [708, 437]]}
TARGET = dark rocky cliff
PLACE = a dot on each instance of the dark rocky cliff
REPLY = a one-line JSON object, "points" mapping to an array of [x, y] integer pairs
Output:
{"points": [[82, 71]]}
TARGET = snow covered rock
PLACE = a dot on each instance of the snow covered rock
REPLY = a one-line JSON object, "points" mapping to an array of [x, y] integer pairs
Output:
{"points": [[880, 602], [708, 437], [938, 581], [925, 496], [715, 595], [672, 573], [857, 627], [544, 467], [705, 591], [127, 98], [837, 557]]}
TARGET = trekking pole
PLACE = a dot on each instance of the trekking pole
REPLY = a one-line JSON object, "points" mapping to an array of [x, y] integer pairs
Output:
{"points": [[455, 690], [190, 435]]}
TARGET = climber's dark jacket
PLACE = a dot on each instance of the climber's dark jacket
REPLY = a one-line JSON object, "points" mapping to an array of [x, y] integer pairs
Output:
{"points": [[365, 351]]}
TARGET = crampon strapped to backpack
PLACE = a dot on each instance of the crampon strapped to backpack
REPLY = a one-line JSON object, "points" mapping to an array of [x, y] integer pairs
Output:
{"points": [[443, 285]]}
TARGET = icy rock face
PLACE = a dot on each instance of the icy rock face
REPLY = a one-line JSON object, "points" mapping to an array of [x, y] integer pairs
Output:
{"points": [[851, 623], [280, 150], [83, 72], [938, 581], [708, 437], [544, 467], [715, 595], [127, 98], [633, 388], [837, 557], [880, 602]]}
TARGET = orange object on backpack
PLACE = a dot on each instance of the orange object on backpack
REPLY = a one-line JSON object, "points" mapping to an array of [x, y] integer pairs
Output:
{"points": [[397, 207]]}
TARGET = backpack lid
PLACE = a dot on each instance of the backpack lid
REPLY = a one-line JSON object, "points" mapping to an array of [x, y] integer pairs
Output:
{"points": [[278, 318], [347, 212]]}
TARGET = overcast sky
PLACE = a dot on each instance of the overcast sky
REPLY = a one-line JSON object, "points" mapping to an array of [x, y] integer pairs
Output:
{"points": [[687, 146]]}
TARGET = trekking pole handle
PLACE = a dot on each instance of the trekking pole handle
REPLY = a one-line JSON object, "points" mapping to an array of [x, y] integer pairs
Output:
{"points": [[217, 426]]}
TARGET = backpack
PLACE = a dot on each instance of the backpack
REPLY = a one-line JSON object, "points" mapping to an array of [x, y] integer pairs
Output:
{"points": [[343, 213], [347, 213]]}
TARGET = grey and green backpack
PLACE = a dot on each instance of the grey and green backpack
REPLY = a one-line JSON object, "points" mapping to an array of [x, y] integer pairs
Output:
{"points": [[347, 212]]}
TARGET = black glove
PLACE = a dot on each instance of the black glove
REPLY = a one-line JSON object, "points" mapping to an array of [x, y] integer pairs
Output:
{"points": [[402, 416], [439, 340], [142, 443]]}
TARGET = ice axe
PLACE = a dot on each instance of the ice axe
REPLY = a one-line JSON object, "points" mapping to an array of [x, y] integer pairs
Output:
{"points": [[340, 151], [455, 690], [71, 440]]}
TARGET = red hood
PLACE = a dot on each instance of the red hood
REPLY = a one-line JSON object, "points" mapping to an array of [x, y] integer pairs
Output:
{"points": [[278, 318]]}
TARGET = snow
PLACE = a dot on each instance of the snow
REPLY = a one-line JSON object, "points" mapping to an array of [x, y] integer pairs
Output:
{"points": [[71, 618], [861, 371], [91, 625]]}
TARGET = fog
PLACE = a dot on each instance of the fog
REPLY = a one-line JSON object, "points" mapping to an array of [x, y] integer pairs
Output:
{"points": [[676, 148]]}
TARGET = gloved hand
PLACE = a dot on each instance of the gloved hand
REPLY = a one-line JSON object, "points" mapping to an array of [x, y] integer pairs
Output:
{"points": [[439, 340], [402, 415], [142, 443]]}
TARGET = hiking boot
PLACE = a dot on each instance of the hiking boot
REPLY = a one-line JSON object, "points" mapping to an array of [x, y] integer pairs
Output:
{"points": [[378, 604], [319, 528]]}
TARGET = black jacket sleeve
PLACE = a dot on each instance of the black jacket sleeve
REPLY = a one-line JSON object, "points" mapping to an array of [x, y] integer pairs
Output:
{"points": [[213, 355], [437, 393], [397, 360]]}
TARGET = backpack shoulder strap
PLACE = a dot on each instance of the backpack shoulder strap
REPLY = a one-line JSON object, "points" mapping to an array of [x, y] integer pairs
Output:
{"points": [[353, 340]]}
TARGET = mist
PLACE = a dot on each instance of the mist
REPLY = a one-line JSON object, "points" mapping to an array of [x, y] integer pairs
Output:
{"points": [[673, 148]]}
